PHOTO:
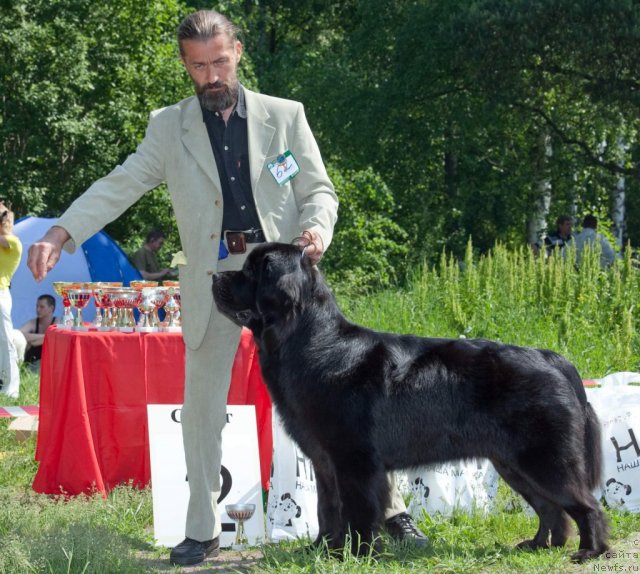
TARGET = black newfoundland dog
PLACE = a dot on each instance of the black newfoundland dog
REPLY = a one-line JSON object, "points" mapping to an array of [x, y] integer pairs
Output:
{"points": [[360, 403]]}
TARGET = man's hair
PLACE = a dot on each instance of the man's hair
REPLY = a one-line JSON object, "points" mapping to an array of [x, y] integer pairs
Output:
{"points": [[204, 25], [590, 221], [562, 219], [49, 299], [155, 234]]}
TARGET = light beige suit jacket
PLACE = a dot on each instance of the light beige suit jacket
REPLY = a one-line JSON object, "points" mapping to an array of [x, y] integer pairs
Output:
{"points": [[176, 150]]}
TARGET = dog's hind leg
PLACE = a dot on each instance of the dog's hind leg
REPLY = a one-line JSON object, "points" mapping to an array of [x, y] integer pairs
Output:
{"points": [[592, 525], [565, 488], [567, 485], [552, 519]]}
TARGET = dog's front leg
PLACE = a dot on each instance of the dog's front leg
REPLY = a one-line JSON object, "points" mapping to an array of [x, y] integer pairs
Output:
{"points": [[364, 492], [330, 529]]}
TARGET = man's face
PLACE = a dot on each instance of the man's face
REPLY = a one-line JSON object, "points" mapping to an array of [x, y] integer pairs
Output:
{"points": [[43, 309], [565, 229], [156, 244], [212, 65]]}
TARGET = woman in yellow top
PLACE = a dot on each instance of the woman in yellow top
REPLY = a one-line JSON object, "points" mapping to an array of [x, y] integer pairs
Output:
{"points": [[10, 253]]}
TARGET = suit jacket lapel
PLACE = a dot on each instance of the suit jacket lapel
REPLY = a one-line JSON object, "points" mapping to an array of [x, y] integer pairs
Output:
{"points": [[260, 133], [196, 140]]}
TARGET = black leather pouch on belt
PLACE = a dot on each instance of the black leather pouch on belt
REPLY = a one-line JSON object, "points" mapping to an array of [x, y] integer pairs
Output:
{"points": [[236, 242]]}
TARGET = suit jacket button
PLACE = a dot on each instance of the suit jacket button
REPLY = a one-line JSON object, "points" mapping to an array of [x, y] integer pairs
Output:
{"points": [[210, 272], [214, 235], [216, 203]]}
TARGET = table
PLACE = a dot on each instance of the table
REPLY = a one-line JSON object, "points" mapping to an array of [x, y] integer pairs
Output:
{"points": [[94, 391]]}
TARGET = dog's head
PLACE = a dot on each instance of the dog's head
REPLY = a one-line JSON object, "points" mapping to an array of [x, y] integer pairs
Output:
{"points": [[271, 291]]}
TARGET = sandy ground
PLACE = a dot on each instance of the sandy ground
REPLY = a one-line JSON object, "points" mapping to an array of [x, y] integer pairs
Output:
{"points": [[228, 562]]}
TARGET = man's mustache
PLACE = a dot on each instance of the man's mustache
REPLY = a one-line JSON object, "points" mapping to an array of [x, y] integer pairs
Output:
{"points": [[214, 86]]}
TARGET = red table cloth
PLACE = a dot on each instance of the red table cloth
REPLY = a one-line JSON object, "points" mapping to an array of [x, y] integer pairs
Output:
{"points": [[94, 391]]}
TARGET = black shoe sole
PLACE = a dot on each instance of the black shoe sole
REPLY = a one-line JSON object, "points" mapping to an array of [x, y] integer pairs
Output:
{"points": [[193, 560]]}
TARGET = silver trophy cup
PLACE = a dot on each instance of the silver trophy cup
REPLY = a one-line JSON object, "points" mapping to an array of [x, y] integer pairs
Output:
{"points": [[239, 513]]}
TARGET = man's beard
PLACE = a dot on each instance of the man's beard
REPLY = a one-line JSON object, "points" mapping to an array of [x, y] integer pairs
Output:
{"points": [[220, 100]]}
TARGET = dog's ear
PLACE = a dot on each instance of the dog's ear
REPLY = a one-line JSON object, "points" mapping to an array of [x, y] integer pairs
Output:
{"points": [[289, 285], [279, 306]]}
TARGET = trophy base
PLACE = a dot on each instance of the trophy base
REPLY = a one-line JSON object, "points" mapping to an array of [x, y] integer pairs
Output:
{"points": [[79, 328], [172, 329], [105, 329], [239, 547], [146, 329], [125, 329]]}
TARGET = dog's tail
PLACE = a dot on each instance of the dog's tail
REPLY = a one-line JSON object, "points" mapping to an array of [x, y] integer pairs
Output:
{"points": [[593, 431], [593, 447]]}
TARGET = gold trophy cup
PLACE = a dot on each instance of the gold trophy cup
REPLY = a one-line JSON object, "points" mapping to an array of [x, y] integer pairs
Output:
{"points": [[61, 288], [102, 318], [125, 301], [79, 298]]}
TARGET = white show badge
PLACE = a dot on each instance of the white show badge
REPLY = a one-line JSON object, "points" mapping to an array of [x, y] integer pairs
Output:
{"points": [[284, 168]]}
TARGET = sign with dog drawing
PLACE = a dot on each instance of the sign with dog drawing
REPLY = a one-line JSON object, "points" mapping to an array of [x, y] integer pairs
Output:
{"points": [[240, 475], [293, 499], [465, 485], [617, 402]]}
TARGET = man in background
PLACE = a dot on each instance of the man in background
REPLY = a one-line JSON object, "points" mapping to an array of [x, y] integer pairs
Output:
{"points": [[145, 259], [590, 236], [34, 329], [556, 242]]}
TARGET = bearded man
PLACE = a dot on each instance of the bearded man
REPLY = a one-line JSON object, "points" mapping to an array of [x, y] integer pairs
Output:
{"points": [[242, 168]]}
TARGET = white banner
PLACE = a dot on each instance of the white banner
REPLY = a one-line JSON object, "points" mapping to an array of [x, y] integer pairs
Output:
{"points": [[465, 485], [292, 511], [617, 404], [240, 473]]}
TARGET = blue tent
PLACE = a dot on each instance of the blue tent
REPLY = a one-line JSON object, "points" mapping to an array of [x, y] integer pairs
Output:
{"points": [[98, 259]]}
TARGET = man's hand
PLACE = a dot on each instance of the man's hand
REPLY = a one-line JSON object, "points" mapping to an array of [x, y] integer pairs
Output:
{"points": [[45, 252], [312, 243]]}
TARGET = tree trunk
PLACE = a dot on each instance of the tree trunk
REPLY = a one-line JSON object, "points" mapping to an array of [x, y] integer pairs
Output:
{"points": [[618, 203], [537, 222]]}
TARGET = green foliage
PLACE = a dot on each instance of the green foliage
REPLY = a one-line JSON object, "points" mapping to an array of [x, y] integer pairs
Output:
{"points": [[585, 313], [446, 103], [78, 80], [449, 102], [368, 247]]}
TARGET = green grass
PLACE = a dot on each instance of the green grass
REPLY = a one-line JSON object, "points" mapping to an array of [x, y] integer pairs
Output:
{"points": [[588, 315]]}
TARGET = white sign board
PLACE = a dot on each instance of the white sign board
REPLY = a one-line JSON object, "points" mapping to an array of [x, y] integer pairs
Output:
{"points": [[240, 476]]}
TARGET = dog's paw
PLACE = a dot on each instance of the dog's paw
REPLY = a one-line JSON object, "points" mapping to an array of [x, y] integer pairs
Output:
{"points": [[585, 554], [531, 545]]}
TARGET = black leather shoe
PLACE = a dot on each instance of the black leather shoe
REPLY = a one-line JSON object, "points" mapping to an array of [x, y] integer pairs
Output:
{"points": [[401, 527], [190, 551]]}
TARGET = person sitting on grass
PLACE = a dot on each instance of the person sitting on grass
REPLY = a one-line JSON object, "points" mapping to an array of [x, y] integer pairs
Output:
{"points": [[34, 330]]}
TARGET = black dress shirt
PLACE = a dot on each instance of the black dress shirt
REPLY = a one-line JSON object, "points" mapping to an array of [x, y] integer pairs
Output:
{"points": [[231, 151]]}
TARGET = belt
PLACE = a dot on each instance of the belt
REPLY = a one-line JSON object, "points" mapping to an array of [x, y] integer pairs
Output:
{"points": [[237, 240]]}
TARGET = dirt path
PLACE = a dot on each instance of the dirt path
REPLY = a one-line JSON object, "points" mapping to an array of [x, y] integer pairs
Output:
{"points": [[229, 562]]}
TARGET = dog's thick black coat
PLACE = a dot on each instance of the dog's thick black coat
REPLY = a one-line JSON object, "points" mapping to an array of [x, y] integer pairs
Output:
{"points": [[360, 403]]}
